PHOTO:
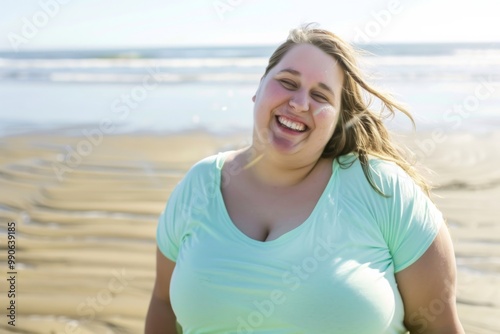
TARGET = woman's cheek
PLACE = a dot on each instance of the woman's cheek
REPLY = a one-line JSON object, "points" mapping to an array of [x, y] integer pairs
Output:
{"points": [[326, 118], [325, 113], [270, 93], [276, 90]]}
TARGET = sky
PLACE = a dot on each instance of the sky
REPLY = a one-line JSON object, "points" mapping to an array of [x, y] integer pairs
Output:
{"points": [[90, 24]]}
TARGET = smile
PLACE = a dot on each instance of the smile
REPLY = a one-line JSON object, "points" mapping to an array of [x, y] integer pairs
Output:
{"points": [[291, 125]]}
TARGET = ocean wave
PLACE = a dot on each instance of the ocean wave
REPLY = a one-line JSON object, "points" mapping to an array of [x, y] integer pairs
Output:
{"points": [[95, 63], [465, 59], [159, 78], [423, 74], [470, 59], [466, 65]]}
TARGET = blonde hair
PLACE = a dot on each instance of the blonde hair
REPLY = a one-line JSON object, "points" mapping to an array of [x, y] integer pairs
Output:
{"points": [[359, 129]]}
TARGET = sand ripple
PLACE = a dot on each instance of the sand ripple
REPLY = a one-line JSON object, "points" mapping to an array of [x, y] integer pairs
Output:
{"points": [[85, 241]]}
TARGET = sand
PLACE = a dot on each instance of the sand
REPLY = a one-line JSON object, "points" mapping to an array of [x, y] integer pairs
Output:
{"points": [[85, 230]]}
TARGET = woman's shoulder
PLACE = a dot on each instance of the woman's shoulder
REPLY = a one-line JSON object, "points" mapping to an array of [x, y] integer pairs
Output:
{"points": [[214, 161], [206, 169], [385, 174], [382, 167], [202, 175]]}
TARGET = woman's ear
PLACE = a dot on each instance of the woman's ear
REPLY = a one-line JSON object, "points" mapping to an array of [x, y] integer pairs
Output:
{"points": [[258, 88]]}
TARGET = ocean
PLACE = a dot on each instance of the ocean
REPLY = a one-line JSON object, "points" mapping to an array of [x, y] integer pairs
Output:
{"points": [[453, 87]]}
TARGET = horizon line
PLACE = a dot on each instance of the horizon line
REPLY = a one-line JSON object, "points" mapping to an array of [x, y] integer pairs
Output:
{"points": [[194, 46]]}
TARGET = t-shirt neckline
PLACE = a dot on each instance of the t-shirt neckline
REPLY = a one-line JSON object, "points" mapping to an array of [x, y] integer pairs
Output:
{"points": [[219, 163]]}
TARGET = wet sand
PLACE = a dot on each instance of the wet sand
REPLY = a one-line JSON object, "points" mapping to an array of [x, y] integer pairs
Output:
{"points": [[85, 229]]}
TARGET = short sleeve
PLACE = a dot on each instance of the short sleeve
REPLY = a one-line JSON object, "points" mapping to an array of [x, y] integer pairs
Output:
{"points": [[410, 221], [190, 196], [169, 229]]}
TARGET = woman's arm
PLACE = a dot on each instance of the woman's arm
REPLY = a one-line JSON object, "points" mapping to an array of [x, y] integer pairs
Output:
{"points": [[428, 290], [161, 317]]}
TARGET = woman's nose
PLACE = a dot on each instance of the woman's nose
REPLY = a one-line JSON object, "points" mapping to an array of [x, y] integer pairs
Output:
{"points": [[299, 101]]}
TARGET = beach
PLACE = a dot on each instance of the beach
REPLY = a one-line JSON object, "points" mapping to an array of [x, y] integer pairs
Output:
{"points": [[85, 231], [84, 216]]}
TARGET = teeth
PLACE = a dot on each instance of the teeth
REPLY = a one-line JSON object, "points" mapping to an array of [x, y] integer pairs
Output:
{"points": [[291, 125]]}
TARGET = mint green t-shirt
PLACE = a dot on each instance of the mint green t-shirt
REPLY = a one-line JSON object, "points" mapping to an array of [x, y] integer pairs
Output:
{"points": [[332, 274]]}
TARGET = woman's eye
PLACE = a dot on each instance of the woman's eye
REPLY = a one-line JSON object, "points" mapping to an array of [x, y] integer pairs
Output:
{"points": [[320, 97], [288, 84]]}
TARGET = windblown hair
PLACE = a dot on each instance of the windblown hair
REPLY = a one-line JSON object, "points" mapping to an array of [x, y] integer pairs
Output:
{"points": [[360, 129]]}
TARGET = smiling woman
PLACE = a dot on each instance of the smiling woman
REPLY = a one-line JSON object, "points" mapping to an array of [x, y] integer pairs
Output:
{"points": [[319, 226], [304, 97]]}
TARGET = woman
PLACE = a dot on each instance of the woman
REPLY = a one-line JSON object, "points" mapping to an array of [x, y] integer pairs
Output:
{"points": [[320, 226]]}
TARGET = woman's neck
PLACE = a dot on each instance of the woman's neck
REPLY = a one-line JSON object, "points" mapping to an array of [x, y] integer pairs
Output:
{"points": [[276, 171]]}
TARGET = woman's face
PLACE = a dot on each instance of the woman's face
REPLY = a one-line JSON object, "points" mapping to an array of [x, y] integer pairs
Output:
{"points": [[297, 103]]}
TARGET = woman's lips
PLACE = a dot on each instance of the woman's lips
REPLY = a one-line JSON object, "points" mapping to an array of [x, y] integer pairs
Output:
{"points": [[290, 124]]}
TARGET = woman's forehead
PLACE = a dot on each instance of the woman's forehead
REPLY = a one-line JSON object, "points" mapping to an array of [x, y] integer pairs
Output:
{"points": [[309, 61]]}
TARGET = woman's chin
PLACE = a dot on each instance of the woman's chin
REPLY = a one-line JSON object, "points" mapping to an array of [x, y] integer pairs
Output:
{"points": [[280, 141], [285, 145]]}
